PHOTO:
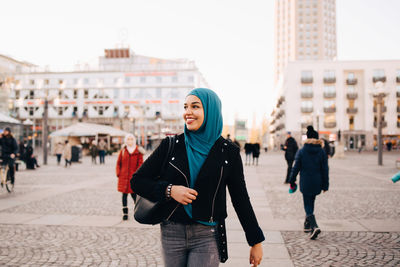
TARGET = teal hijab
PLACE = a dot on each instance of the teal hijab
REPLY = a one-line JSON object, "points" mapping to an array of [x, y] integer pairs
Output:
{"points": [[199, 143]]}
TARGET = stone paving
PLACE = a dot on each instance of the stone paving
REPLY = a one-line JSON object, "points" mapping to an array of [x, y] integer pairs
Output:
{"points": [[72, 217]]}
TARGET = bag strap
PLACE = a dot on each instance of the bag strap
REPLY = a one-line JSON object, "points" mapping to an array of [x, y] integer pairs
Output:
{"points": [[171, 144]]}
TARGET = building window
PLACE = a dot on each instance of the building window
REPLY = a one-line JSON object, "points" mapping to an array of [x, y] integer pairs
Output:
{"points": [[307, 74], [86, 93], [86, 81], [142, 79], [351, 89], [75, 93], [76, 81], [158, 79], [116, 93], [379, 73], [75, 112], [306, 89], [329, 74], [127, 93], [158, 93], [351, 123], [329, 104], [351, 76], [31, 94], [174, 79], [306, 104]]}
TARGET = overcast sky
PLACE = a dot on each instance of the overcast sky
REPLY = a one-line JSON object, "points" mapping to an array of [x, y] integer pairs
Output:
{"points": [[230, 40]]}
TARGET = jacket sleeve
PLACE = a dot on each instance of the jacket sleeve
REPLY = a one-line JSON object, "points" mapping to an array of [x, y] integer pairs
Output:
{"points": [[15, 147], [296, 168], [144, 181], [119, 161], [241, 202], [325, 172]]}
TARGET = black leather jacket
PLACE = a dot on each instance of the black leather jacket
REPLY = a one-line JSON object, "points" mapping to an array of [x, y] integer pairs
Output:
{"points": [[222, 168]]}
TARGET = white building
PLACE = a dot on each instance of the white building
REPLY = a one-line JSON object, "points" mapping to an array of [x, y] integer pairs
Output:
{"points": [[126, 90], [336, 95], [304, 30]]}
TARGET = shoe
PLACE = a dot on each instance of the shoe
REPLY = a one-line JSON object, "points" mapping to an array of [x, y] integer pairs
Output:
{"points": [[125, 212], [315, 231], [307, 226]]}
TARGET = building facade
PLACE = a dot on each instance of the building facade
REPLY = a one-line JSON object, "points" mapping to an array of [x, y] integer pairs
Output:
{"points": [[337, 95], [304, 30], [126, 90]]}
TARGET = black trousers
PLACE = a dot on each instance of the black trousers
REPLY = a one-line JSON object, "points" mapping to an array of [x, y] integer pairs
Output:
{"points": [[10, 162], [289, 169], [125, 199]]}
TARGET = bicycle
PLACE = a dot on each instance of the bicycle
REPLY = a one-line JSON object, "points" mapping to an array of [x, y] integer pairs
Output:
{"points": [[6, 177]]}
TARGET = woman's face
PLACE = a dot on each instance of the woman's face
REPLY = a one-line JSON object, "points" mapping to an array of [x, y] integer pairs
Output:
{"points": [[194, 113], [130, 141]]}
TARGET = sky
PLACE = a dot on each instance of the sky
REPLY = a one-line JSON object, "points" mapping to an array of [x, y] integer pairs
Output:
{"points": [[231, 41]]}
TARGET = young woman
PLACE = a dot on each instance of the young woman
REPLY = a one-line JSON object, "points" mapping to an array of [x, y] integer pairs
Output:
{"points": [[129, 160], [202, 164], [312, 163]]}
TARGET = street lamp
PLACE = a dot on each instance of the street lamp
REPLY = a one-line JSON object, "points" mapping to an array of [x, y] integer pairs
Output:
{"points": [[378, 95]]}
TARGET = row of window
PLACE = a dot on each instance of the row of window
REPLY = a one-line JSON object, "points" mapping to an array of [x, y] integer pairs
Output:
{"points": [[173, 93], [126, 80], [350, 75]]}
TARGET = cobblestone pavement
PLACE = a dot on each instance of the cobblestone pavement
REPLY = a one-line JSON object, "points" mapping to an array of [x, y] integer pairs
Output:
{"points": [[344, 249], [26, 245], [359, 191]]}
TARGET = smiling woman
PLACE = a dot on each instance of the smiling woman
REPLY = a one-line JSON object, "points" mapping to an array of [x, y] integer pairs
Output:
{"points": [[194, 113], [201, 166]]}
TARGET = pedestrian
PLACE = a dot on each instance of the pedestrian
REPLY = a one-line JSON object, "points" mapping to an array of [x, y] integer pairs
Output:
{"points": [[236, 142], [30, 163], [256, 152], [201, 165], [67, 154], [20, 154], [93, 152], [360, 145], [129, 160], [9, 150], [290, 149], [326, 148], [248, 150], [59, 151], [389, 145], [102, 146], [312, 163]]}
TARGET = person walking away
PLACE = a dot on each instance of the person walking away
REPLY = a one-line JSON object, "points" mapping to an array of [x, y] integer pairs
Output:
{"points": [[9, 150], [360, 145], [59, 151], [67, 153], [256, 152], [290, 149], [312, 163], [30, 164], [129, 160], [326, 148], [193, 185], [102, 150], [248, 150], [20, 154], [93, 152]]}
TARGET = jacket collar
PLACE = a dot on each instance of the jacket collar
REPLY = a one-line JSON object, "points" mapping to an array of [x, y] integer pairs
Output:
{"points": [[313, 141]]}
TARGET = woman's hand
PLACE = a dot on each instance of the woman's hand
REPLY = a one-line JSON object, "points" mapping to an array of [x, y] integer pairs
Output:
{"points": [[183, 194], [256, 254]]}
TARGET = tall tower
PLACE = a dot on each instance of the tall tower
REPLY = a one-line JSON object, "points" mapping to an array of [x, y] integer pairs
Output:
{"points": [[304, 30]]}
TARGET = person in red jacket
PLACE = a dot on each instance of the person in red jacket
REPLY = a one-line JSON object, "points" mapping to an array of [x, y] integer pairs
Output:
{"points": [[129, 160]]}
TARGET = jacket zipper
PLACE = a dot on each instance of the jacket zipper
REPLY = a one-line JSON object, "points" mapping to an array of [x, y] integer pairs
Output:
{"points": [[187, 182], [215, 195]]}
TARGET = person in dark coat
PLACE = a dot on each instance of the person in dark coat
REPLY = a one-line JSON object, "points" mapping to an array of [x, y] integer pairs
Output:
{"points": [[327, 148], [129, 160], [312, 163], [9, 150], [199, 169], [93, 152], [29, 158], [256, 152], [290, 149], [248, 150]]}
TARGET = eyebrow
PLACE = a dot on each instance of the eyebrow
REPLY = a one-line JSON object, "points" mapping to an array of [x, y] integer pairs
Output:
{"points": [[196, 102]]}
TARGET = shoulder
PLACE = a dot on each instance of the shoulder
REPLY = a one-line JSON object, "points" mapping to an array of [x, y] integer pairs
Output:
{"points": [[229, 146], [141, 150]]}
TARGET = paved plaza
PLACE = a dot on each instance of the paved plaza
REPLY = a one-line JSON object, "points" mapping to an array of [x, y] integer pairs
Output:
{"points": [[72, 217]]}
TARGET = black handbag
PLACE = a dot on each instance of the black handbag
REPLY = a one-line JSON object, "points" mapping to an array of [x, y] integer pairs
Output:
{"points": [[147, 211]]}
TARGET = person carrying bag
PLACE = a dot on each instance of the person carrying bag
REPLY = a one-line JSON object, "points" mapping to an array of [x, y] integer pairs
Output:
{"points": [[192, 188]]}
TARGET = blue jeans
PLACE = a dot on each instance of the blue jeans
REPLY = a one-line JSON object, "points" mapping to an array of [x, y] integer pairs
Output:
{"points": [[193, 245], [102, 154], [309, 201]]}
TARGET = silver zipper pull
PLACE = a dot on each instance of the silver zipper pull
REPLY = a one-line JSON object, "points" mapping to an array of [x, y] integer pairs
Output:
{"points": [[211, 220]]}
